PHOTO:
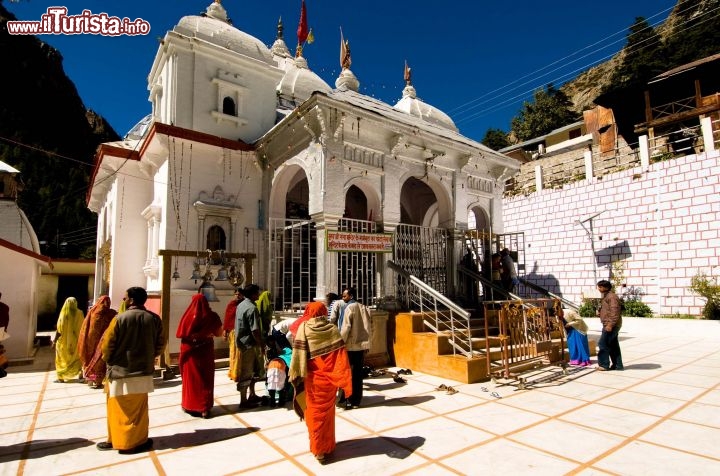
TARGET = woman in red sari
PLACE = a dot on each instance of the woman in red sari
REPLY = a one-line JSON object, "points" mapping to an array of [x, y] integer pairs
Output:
{"points": [[93, 327], [320, 359], [196, 330]]}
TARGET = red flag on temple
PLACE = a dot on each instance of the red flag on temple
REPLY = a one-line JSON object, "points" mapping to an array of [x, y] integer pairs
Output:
{"points": [[302, 31]]}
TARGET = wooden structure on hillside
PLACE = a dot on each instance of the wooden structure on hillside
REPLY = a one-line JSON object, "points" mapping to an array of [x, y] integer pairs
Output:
{"points": [[676, 100]]}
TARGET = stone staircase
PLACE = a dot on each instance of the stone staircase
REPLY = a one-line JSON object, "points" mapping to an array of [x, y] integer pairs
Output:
{"points": [[417, 346]]}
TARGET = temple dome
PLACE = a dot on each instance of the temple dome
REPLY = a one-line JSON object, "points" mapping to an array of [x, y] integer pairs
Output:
{"points": [[410, 104], [214, 27], [299, 82]]}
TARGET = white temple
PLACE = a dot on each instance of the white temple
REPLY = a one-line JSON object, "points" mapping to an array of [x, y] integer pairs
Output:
{"points": [[248, 151]]}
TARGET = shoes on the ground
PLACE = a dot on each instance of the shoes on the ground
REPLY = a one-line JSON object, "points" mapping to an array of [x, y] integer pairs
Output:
{"points": [[254, 399], [602, 369], [320, 458], [59, 381], [205, 414], [104, 446], [350, 406], [442, 386], [247, 404], [451, 391], [613, 367], [341, 403], [399, 379], [139, 448]]}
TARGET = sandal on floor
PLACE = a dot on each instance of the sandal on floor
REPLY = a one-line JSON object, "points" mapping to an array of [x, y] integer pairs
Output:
{"points": [[320, 458], [442, 386], [451, 391], [59, 381]]}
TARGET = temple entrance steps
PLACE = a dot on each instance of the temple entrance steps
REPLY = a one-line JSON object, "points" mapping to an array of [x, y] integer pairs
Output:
{"points": [[418, 347]]}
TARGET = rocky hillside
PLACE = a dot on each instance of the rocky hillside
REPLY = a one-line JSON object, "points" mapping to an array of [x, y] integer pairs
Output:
{"points": [[689, 33], [48, 134]]}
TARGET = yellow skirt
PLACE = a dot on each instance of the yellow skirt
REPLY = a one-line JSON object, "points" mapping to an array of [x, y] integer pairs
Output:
{"points": [[235, 358], [128, 420]]}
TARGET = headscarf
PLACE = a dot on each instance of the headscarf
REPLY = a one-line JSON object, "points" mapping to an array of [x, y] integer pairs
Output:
{"points": [[574, 320], [265, 311], [313, 309], [315, 337], [96, 322], [69, 323], [198, 321], [229, 321]]}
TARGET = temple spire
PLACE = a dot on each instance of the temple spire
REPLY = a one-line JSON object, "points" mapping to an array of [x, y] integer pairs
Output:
{"points": [[347, 79]]}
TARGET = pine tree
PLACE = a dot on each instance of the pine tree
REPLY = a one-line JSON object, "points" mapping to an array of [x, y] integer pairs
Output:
{"points": [[549, 110], [496, 139]]}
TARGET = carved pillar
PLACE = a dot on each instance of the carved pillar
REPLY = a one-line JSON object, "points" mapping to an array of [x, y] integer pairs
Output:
{"points": [[327, 262]]}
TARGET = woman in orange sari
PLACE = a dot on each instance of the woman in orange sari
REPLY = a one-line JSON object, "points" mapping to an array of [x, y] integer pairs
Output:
{"points": [[93, 327], [320, 361], [196, 330]]}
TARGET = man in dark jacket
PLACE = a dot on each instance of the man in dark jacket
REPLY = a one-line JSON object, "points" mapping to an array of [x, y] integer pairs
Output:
{"points": [[130, 345], [609, 357]]}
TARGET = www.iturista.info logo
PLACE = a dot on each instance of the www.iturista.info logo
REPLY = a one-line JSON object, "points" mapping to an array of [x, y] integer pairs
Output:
{"points": [[57, 22]]}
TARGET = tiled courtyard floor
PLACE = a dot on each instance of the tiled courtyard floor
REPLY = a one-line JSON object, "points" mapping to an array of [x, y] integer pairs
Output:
{"points": [[660, 416]]}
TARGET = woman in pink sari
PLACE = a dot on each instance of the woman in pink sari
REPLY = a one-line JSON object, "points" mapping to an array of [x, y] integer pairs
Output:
{"points": [[196, 330], [93, 327]]}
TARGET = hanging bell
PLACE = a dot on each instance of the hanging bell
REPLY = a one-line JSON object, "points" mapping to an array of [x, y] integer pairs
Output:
{"points": [[222, 274], [196, 273], [176, 275], [208, 290]]}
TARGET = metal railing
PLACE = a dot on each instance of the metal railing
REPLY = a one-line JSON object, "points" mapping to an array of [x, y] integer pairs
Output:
{"points": [[526, 334], [545, 292], [439, 313]]}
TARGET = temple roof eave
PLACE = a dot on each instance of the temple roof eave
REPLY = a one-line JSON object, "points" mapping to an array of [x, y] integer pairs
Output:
{"points": [[396, 122]]}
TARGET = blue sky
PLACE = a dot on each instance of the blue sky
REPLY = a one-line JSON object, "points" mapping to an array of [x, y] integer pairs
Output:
{"points": [[475, 60]]}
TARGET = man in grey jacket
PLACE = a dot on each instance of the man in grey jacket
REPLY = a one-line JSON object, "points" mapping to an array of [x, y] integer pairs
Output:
{"points": [[130, 345], [354, 324]]}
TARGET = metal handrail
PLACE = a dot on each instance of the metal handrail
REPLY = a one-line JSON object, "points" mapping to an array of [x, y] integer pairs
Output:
{"points": [[479, 277], [545, 292], [431, 303]]}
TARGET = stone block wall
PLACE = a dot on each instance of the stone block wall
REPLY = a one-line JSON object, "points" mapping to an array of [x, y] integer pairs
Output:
{"points": [[662, 225]]}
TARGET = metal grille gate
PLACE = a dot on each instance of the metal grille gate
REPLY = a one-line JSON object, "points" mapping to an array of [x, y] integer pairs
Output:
{"points": [[422, 252], [293, 262], [357, 269]]}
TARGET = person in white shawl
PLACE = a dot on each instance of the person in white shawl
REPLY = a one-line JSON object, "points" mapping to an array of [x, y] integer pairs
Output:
{"points": [[577, 341]]}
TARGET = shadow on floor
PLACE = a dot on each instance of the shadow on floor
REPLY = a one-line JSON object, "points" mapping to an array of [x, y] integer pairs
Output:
{"points": [[360, 448], [41, 448], [199, 437]]}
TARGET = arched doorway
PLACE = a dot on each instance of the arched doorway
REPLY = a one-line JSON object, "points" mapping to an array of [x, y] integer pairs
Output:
{"points": [[355, 268], [293, 240], [420, 245]]}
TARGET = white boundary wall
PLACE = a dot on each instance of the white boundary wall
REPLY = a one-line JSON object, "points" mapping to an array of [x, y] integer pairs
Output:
{"points": [[663, 222]]}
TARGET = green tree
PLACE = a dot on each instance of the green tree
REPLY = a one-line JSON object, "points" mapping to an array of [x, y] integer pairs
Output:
{"points": [[549, 110], [644, 58], [496, 139], [696, 34]]}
